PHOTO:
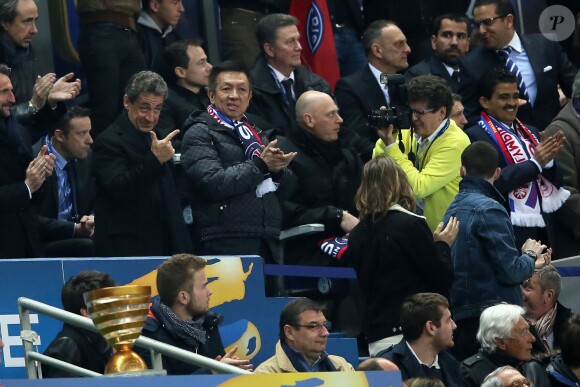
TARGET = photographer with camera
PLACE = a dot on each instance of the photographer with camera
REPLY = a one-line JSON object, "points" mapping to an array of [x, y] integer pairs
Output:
{"points": [[430, 153]]}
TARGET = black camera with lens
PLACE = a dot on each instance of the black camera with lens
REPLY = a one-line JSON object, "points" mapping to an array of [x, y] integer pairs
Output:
{"points": [[398, 116], [400, 119]]}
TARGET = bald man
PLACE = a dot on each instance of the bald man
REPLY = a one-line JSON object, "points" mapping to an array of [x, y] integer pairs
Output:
{"points": [[328, 169], [377, 364]]}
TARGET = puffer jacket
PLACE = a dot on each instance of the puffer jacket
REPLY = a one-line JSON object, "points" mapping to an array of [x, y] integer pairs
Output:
{"points": [[224, 182]]}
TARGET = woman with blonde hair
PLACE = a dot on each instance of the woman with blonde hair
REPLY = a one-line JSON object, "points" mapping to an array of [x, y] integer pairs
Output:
{"points": [[393, 251]]}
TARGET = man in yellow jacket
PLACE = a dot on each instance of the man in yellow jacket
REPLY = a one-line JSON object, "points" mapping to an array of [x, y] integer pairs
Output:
{"points": [[431, 155]]}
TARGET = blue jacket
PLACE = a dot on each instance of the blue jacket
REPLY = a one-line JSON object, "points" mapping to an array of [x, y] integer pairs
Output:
{"points": [[402, 356], [488, 268]]}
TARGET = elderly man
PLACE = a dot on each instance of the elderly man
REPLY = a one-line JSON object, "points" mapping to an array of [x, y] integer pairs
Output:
{"points": [[21, 176], [544, 311], [427, 334], [387, 51], [234, 173], [156, 30], [565, 237], [505, 376], [302, 344], [137, 211], [328, 171], [450, 41], [377, 364], [179, 316], [540, 64], [67, 205], [77, 346], [278, 76], [431, 155], [505, 339], [529, 179]]}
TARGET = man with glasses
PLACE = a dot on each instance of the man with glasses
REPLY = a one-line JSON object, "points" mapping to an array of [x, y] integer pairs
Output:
{"points": [[137, 210], [450, 41], [302, 344], [506, 376], [540, 64], [505, 339], [427, 334], [430, 153]]}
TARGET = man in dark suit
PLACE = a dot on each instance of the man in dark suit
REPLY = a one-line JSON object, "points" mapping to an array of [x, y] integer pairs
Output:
{"points": [[542, 63], [387, 50], [450, 41], [427, 334], [278, 76], [67, 204], [137, 210], [21, 176], [529, 179]]}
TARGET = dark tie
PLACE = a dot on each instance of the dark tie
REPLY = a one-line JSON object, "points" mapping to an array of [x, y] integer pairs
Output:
{"points": [[287, 84], [455, 76], [67, 191], [432, 372], [504, 53]]}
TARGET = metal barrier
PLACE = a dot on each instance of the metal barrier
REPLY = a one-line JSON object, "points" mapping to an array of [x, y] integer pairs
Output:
{"points": [[157, 348]]}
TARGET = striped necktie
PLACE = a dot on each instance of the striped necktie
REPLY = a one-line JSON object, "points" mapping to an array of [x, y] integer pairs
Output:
{"points": [[504, 53], [65, 205]]}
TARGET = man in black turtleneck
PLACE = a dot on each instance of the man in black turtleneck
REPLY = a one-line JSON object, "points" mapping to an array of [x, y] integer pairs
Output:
{"points": [[328, 169]]}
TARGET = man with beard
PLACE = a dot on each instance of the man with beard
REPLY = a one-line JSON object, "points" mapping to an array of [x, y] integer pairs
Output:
{"points": [[450, 41], [179, 316]]}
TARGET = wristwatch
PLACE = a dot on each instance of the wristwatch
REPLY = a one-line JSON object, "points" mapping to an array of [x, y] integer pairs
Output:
{"points": [[31, 109], [532, 254]]}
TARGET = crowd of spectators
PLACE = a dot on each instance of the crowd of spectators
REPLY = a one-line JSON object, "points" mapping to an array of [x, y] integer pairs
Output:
{"points": [[190, 157]]}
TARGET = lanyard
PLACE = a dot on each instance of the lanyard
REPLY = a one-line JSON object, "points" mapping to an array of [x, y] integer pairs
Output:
{"points": [[280, 86], [418, 162]]}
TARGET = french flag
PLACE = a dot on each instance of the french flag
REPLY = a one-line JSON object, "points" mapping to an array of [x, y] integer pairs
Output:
{"points": [[316, 38]]}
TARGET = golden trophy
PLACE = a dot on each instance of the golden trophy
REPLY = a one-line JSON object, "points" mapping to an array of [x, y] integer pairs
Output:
{"points": [[119, 313]]}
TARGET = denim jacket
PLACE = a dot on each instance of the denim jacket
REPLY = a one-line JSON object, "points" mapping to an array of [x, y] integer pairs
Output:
{"points": [[488, 268]]}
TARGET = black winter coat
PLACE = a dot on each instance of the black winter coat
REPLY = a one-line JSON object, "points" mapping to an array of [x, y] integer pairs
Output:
{"points": [[224, 182], [328, 175]]}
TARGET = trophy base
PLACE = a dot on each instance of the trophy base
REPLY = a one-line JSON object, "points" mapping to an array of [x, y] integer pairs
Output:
{"points": [[125, 361], [137, 373]]}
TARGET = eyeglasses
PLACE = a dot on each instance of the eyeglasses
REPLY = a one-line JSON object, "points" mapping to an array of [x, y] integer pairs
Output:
{"points": [[315, 327], [487, 22], [521, 383], [421, 113]]}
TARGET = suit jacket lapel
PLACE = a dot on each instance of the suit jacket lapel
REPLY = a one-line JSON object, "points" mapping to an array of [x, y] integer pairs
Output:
{"points": [[374, 87]]}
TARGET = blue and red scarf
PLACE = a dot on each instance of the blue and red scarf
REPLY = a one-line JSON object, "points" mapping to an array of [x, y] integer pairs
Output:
{"points": [[529, 201], [251, 142]]}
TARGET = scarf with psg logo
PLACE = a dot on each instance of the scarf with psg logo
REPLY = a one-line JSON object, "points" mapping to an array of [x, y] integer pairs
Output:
{"points": [[251, 142], [529, 201]]}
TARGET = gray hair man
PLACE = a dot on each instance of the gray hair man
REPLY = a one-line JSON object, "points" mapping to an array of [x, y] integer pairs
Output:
{"points": [[505, 339], [137, 210], [543, 310]]}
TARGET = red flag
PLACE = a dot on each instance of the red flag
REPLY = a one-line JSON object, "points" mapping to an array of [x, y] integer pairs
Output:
{"points": [[316, 38]]}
